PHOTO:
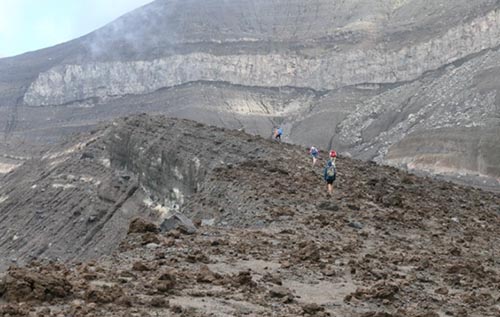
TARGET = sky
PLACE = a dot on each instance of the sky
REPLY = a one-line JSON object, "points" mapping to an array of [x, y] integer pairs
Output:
{"points": [[28, 25]]}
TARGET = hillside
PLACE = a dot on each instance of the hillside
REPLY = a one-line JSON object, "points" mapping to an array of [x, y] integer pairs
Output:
{"points": [[376, 79], [269, 240]]}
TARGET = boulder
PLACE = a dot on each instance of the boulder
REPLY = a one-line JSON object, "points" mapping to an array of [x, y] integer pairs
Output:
{"points": [[180, 222]]}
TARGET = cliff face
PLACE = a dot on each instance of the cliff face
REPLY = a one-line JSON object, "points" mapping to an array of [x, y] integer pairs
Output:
{"points": [[320, 71], [362, 76]]}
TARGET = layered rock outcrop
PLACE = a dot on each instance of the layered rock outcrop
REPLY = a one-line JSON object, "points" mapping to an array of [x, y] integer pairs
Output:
{"points": [[323, 71]]}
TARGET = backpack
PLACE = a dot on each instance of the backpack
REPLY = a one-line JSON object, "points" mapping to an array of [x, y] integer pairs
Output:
{"points": [[333, 153], [280, 131], [331, 171], [314, 151]]}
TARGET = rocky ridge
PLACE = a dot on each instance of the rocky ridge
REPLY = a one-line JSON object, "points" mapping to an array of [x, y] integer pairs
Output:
{"points": [[269, 240]]}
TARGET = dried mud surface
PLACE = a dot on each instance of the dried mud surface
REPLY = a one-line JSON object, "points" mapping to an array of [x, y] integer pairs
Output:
{"points": [[271, 242]]}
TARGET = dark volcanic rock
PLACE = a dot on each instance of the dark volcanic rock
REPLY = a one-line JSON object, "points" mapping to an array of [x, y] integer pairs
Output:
{"points": [[328, 205]]}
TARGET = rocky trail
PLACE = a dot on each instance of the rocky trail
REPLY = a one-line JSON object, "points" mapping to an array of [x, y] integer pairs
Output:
{"points": [[269, 241]]}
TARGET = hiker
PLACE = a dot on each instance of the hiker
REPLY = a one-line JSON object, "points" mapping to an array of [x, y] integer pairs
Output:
{"points": [[330, 174], [313, 151], [277, 134], [333, 156]]}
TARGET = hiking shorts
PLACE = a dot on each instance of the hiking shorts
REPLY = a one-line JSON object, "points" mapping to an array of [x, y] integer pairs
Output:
{"points": [[331, 180]]}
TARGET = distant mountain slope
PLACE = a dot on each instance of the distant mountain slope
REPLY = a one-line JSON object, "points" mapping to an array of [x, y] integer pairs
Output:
{"points": [[368, 77]]}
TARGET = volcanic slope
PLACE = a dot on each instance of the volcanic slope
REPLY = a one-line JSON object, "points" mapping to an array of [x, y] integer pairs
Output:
{"points": [[411, 83], [269, 240]]}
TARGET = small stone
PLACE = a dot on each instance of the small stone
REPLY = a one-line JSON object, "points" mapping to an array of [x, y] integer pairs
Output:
{"points": [[205, 275], [159, 302], [328, 271], [77, 303], [312, 309], [279, 292], [140, 267], [208, 222], [272, 278], [244, 278], [167, 281], [328, 205], [353, 207], [441, 291], [152, 246], [355, 225]]}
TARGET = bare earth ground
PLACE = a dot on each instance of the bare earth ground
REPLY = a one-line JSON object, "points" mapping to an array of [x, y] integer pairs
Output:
{"points": [[270, 242]]}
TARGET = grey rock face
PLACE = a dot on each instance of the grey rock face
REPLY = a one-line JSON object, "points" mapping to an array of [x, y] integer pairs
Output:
{"points": [[323, 71], [452, 111]]}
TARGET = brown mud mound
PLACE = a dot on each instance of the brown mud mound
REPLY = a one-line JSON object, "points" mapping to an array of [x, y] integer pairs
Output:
{"points": [[139, 225], [21, 284]]}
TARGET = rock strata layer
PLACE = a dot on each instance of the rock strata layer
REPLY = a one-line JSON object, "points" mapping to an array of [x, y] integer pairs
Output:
{"points": [[324, 71]]}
